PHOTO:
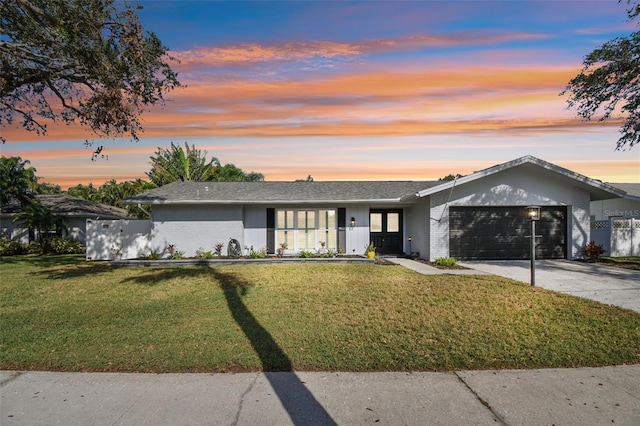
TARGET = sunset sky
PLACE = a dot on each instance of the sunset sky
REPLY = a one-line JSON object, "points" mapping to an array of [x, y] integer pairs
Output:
{"points": [[361, 91]]}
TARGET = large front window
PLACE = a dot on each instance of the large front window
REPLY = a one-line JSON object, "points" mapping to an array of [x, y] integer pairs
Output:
{"points": [[306, 229]]}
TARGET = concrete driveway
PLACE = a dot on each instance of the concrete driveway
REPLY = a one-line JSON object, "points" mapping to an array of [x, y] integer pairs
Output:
{"points": [[606, 284]]}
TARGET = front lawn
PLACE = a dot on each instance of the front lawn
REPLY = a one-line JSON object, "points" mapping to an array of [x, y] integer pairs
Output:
{"points": [[61, 313]]}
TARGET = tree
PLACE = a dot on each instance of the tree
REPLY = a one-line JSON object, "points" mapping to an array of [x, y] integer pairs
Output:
{"points": [[112, 193], [231, 173], [178, 164], [190, 164], [308, 179], [34, 215], [48, 188], [79, 61], [450, 177], [86, 192], [17, 181], [610, 79]]}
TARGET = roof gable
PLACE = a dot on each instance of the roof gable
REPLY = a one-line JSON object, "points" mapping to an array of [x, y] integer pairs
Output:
{"points": [[597, 189]]}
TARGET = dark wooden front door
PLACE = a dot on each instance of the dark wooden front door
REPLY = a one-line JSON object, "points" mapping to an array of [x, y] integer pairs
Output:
{"points": [[385, 229]]}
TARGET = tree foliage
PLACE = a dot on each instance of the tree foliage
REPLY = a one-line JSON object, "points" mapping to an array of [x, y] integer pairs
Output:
{"points": [[181, 164], [112, 193], [450, 177], [36, 216], [188, 163], [79, 61], [230, 173], [17, 180], [610, 81]]}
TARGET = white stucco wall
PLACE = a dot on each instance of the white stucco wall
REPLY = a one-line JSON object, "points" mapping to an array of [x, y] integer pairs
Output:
{"points": [[255, 226], [75, 229], [196, 226], [357, 237], [416, 223], [620, 207], [513, 187]]}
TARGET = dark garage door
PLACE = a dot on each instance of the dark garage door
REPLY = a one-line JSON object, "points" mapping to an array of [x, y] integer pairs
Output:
{"points": [[503, 233]]}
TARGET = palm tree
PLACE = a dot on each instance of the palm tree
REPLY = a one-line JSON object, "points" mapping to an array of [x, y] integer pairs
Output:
{"points": [[178, 164], [16, 180], [37, 217]]}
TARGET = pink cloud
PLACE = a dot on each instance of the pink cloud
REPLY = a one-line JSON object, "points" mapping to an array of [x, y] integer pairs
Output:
{"points": [[251, 53]]}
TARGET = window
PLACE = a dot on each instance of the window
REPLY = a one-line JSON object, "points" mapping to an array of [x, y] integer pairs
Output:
{"points": [[306, 229], [327, 228], [285, 227], [393, 222]]}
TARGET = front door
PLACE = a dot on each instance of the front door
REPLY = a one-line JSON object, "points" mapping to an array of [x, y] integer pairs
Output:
{"points": [[385, 228]]}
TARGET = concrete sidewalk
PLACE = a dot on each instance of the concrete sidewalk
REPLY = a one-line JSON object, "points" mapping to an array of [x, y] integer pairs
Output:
{"points": [[585, 396]]}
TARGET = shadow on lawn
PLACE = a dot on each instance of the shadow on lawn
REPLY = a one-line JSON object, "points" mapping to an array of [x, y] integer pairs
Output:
{"points": [[301, 405]]}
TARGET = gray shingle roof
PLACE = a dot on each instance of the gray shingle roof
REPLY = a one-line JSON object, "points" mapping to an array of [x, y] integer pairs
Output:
{"points": [[632, 189], [67, 205], [279, 192]]}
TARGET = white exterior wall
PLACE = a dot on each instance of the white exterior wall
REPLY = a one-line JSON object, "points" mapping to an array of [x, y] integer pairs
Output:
{"points": [[196, 226], [76, 229], [620, 207], [512, 187], [357, 237], [13, 230], [192, 227], [439, 225], [416, 220], [255, 227], [578, 223], [131, 237]]}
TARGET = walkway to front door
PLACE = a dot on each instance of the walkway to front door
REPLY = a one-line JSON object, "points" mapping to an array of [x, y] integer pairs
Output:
{"points": [[385, 228]]}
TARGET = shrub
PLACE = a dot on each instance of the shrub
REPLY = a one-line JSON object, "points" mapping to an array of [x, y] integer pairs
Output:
{"points": [[593, 251], [153, 255], [281, 249], [218, 249], [64, 245], [258, 254], [33, 248], [306, 254], [174, 253], [10, 247], [446, 261], [201, 254]]}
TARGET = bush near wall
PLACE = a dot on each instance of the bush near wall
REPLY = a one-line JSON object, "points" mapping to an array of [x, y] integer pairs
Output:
{"points": [[53, 245]]}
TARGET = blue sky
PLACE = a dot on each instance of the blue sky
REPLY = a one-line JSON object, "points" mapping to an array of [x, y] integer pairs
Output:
{"points": [[362, 90]]}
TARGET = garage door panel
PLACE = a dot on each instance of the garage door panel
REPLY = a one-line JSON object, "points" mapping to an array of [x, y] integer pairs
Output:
{"points": [[503, 233]]}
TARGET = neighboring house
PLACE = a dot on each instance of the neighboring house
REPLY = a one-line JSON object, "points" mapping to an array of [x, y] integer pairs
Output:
{"points": [[627, 207], [75, 210], [479, 216]]}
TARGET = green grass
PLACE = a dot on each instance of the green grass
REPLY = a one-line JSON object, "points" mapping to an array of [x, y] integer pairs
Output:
{"points": [[61, 313]]}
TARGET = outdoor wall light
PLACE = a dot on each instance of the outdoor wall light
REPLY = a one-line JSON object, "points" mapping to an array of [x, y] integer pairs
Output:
{"points": [[353, 222], [533, 213]]}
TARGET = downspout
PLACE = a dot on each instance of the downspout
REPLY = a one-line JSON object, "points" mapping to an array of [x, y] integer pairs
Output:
{"points": [[447, 203], [146, 212]]}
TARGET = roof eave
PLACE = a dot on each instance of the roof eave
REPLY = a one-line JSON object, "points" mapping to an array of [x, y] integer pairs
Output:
{"points": [[244, 202]]}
